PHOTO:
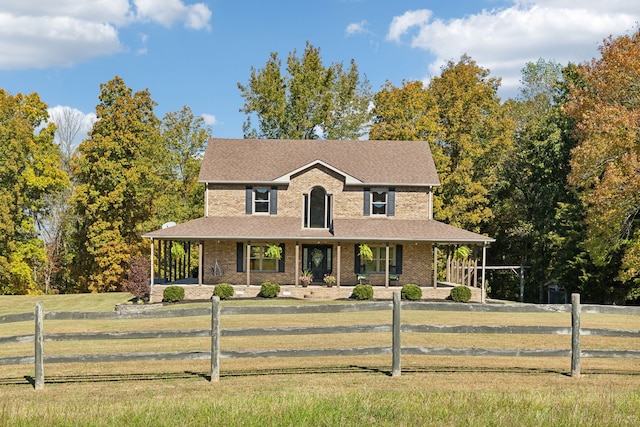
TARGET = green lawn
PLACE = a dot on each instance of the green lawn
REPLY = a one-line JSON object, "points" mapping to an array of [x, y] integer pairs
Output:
{"points": [[328, 391]]}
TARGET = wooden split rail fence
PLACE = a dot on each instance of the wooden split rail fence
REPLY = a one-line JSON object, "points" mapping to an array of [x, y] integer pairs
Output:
{"points": [[395, 328]]}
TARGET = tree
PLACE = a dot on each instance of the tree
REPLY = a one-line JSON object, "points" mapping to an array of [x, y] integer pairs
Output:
{"points": [[475, 137], [184, 138], [531, 203], [29, 173], [56, 225], [308, 102], [604, 100], [408, 113], [459, 114], [117, 181]]}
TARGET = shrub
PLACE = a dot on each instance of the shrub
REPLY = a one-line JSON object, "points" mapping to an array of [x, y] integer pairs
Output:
{"points": [[223, 291], [460, 294], [137, 283], [362, 292], [411, 292], [269, 290], [173, 294]]}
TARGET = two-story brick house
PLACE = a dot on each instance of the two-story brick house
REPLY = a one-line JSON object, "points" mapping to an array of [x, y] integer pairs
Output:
{"points": [[318, 200]]}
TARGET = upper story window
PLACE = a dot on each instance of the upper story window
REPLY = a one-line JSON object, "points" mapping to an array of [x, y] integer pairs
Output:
{"points": [[262, 200], [317, 208], [379, 201]]}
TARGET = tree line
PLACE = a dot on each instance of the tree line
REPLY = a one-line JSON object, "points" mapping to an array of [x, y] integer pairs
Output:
{"points": [[552, 174]]}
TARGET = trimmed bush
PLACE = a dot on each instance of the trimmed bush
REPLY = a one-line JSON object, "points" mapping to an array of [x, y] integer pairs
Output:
{"points": [[223, 291], [362, 292], [173, 294], [460, 294], [411, 292], [269, 290]]}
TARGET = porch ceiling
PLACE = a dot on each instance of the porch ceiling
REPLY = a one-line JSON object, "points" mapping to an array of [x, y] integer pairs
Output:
{"points": [[252, 227]]}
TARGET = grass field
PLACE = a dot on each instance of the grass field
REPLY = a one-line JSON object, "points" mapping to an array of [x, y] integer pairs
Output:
{"points": [[328, 391]]}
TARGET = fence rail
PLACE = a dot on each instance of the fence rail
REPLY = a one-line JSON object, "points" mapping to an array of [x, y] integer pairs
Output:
{"points": [[396, 328]]}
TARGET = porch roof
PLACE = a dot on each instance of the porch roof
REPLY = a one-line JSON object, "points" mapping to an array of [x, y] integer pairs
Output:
{"points": [[274, 228]]}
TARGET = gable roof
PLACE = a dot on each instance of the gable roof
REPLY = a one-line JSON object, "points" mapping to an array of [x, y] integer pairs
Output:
{"points": [[362, 162]]}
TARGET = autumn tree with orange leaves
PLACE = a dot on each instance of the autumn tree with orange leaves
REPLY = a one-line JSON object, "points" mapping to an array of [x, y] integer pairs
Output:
{"points": [[605, 169]]}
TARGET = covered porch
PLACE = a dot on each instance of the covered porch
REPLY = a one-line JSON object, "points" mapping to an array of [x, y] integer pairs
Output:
{"points": [[229, 249]]}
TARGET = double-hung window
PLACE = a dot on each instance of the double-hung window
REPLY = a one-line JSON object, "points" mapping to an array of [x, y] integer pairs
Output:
{"points": [[258, 259], [377, 264], [261, 200], [379, 201]]}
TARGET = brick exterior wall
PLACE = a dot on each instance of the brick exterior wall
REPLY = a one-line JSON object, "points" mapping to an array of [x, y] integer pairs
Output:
{"points": [[417, 260], [229, 200]]}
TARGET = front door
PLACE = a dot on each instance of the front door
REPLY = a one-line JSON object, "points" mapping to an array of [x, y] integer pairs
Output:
{"points": [[318, 260]]}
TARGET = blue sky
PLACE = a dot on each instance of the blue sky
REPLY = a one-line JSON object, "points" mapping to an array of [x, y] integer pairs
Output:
{"points": [[194, 53]]}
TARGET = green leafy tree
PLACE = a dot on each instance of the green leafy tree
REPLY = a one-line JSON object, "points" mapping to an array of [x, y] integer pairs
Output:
{"points": [[408, 113], [604, 100], [470, 134], [184, 138], [309, 101], [116, 173], [531, 202], [475, 137], [29, 173]]}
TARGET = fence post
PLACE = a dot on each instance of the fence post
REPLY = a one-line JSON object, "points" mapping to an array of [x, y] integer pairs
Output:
{"points": [[396, 345], [575, 335], [39, 349], [215, 339]]}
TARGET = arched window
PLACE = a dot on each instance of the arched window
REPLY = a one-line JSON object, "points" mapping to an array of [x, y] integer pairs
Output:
{"points": [[317, 208]]}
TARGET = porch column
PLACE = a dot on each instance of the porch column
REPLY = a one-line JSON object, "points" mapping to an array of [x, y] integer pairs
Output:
{"points": [[151, 278], [338, 263], [435, 265], [248, 261], [297, 263], [448, 275], [201, 263], [386, 266], [484, 264]]}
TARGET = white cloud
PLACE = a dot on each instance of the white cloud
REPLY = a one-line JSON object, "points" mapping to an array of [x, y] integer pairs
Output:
{"points": [[356, 28], [400, 25], [504, 40], [210, 119], [166, 12], [45, 33]]}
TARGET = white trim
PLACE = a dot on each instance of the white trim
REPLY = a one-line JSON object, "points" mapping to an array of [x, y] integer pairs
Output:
{"points": [[349, 180], [254, 201], [385, 191]]}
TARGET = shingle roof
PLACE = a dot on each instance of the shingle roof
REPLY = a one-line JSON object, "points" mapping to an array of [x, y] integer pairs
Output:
{"points": [[275, 228], [370, 162]]}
